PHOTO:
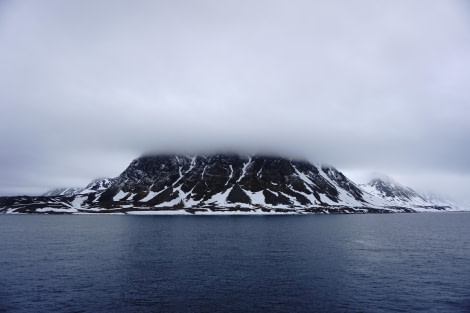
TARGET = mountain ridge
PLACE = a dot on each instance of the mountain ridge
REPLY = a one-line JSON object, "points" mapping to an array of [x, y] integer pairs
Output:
{"points": [[226, 183]]}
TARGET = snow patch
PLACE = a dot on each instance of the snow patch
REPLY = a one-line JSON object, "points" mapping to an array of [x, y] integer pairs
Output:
{"points": [[161, 212], [121, 194], [56, 210], [151, 195]]}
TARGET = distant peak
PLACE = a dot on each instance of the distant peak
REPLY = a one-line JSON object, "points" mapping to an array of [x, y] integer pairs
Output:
{"points": [[382, 178]]}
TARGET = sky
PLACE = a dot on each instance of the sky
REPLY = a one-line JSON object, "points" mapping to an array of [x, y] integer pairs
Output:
{"points": [[366, 86]]}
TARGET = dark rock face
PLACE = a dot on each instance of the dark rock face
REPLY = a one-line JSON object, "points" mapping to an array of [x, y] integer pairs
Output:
{"points": [[343, 182], [205, 178], [237, 195], [217, 182]]}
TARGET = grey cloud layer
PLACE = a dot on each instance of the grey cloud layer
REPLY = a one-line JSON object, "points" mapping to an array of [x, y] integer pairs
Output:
{"points": [[88, 85]]}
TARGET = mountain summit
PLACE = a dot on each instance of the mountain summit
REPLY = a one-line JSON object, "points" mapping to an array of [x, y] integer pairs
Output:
{"points": [[225, 183]]}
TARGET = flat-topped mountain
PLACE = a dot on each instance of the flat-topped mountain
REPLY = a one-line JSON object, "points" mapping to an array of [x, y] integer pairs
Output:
{"points": [[225, 183], [231, 180]]}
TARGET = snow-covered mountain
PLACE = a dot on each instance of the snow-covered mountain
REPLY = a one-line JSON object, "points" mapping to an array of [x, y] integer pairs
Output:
{"points": [[99, 184], [62, 192], [96, 185], [393, 193], [222, 183], [438, 199]]}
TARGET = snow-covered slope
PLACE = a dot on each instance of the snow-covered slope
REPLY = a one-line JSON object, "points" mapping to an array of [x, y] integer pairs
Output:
{"points": [[391, 193], [226, 183], [96, 185], [62, 192], [99, 184]]}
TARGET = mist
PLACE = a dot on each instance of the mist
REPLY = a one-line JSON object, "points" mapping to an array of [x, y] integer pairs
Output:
{"points": [[87, 86]]}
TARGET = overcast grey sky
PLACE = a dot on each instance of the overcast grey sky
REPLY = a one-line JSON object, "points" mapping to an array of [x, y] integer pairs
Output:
{"points": [[367, 86]]}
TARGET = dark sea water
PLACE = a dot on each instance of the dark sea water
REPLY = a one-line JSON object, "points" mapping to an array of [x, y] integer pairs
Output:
{"points": [[315, 263]]}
